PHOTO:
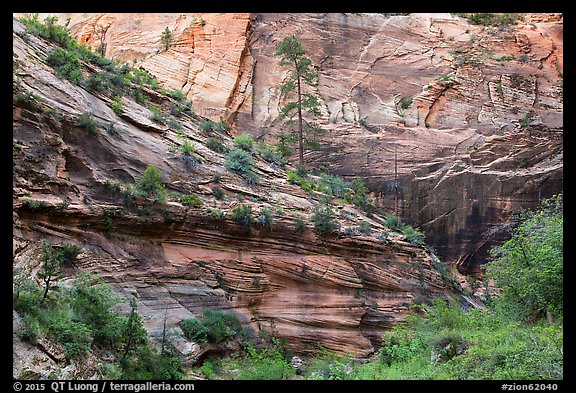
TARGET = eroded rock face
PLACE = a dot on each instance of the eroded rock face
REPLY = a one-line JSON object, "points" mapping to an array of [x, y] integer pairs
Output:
{"points": [[338, 292], [435, 94], [405, 98], [208, 58]]}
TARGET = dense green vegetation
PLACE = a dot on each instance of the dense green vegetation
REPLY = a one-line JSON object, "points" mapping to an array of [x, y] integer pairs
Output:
{"points": [[324, 219], [354, 192], [239, 160], [86, 315], [213, 327], [499, 20], [519, 336], [150, 183], [243, 215]]}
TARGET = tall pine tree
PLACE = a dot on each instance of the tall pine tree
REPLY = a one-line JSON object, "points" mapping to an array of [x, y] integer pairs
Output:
{"points": [[302, 74]]}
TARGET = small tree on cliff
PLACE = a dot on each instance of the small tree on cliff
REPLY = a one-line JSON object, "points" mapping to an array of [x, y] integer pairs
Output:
{"points": [[166, 39], [292, 54], [100, 34], [52, 259]]}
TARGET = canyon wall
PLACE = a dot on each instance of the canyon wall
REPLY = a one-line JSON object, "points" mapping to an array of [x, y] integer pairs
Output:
{"points": [[70, 185], [453, 126]]}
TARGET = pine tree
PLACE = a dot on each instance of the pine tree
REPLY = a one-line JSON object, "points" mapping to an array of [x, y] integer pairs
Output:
{"points": [[166, 39], [302, 74], [52, 259], [133, 333]]}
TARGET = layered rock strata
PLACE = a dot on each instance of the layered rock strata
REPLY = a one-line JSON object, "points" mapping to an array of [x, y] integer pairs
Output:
{"points": [[413, 91], [404, 98], [333, 291]]}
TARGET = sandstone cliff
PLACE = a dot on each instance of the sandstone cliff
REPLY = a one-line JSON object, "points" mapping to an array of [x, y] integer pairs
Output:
{"points": [[338, 292], [454, 126]]}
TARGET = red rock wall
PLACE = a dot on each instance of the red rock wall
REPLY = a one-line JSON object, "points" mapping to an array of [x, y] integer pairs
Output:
{"points": [[338, 292], [468, 84]]}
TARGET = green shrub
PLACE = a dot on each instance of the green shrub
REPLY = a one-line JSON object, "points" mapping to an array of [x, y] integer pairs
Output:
{"points": [[324, 220], [349, 231], [69, 253], [27, 100], [492, 19], [116, 77], [86, 120], [239, 160], [284, 142], [265, 219], [243, 215], [117, 105], [178, 95], [250, 178], [414, 235], [216, 145], [148, 364], [394, 223], [206, 125], [208, 369], [191, 200], [209, 126], [188, 156], [157, 115], [33, 204], [75, 336], [295, 178], [328, 366], [194, 330], [447, 345], [513, 352], [130, 193], [265, 364], [54, 116], [33, 330], [216, 214], [179, 108], [150, 183], [361, 197], [48, 30], [66, 64], [221, 325], [218, 193], [79, 316], [271, 154], [244, 142], [400, 344], [111, 129], [406, 102], [142, 77], [365, 228], [190, 162], [187, 148], [97, 82], [214, 327], [333, 185], [299, 225], [529, 267]]}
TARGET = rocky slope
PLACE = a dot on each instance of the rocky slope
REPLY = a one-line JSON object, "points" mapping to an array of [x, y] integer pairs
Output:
{"points": [[70, 184], [454, 126]]}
